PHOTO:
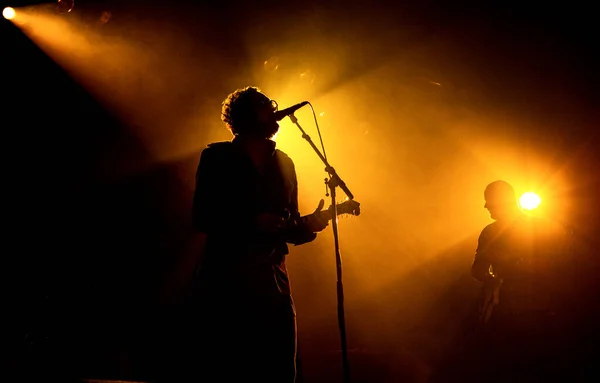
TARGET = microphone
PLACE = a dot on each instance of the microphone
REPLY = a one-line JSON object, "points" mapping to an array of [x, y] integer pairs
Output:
{"points": [[281, 114]]}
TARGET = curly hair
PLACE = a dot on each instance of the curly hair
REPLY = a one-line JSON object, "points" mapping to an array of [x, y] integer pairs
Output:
{"points": [[239, 109]]}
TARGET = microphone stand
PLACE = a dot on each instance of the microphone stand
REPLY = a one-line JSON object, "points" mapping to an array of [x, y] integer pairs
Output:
{"points": [[332, 183]]}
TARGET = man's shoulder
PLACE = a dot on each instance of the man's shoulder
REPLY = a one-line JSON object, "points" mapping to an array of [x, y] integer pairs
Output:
{"points": [[220, 145], [216, 154], [216, 149], [490, 232], [491, 228], [284, 158], [285, 164]]}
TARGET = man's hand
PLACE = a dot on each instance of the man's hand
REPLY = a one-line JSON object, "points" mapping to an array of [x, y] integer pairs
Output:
{"points": [[316, 222]]}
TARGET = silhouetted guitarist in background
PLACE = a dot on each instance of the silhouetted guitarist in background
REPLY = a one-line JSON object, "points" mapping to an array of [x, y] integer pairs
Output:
{"points": [[520, 261], [246, 210]]}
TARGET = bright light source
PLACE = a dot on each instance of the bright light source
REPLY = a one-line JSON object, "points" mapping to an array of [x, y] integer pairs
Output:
{"points": [[529, 201], [8, 13]]}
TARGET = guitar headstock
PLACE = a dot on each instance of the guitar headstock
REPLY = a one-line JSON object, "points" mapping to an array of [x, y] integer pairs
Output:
{"points": [[350, 206]]}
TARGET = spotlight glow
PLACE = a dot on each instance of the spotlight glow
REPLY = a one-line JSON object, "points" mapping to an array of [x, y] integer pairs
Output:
{"points": [[8, 13], [529, 201]]}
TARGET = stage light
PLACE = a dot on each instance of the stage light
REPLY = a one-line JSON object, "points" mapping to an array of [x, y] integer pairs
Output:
{"points": [[8, 13], [529, 201]]}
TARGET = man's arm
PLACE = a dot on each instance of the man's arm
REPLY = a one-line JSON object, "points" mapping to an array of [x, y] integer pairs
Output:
{"points": [[298, 232], [480, 268], [204, 193], [301, 229]]}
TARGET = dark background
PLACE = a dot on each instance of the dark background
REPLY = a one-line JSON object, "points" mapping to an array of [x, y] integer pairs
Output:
{"points": [[86, 252]]}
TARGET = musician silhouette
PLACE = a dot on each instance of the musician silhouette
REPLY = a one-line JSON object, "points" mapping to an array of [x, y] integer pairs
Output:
{"points": [[245, 209], [519, 261], [517, 332]]}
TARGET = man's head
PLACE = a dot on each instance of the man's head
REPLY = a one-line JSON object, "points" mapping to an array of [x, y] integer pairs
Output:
{"points": [[500, 200], [249, 113]]}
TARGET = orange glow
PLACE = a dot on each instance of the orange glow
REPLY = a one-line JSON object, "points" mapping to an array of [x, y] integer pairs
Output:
{"points": [[8, 13], [129, 76], [417, 162], [417, 165]]}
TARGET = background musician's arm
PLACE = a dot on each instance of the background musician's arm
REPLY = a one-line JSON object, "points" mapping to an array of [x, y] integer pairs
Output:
{"points": [[480, 268]]}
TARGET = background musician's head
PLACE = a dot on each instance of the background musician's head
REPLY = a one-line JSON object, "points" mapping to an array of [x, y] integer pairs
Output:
{"points": [[249, 113], [501, 201]]}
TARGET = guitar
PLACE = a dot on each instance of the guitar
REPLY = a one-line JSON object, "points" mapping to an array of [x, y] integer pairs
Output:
{"points": [[489, 300]]}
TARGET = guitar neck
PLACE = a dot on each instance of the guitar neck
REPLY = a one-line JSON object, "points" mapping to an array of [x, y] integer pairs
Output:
{"points": [[328, 214], [347, 207]]}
